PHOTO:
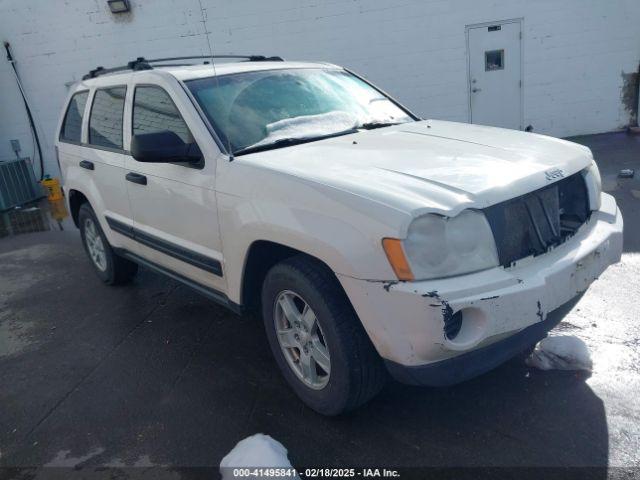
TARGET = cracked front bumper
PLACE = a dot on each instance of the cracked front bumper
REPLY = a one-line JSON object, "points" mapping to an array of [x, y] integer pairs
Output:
{"points": [[504, 310]]}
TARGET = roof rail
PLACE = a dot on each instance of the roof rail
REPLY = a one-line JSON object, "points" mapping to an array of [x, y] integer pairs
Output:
{"points": [[142, 63]]}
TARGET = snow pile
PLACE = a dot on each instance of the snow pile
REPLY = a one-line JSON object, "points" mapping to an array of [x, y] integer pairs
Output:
{"points": [[561, 353], [309, 126], [257, 451]]}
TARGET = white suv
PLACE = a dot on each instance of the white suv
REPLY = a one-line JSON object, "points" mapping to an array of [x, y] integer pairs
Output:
{"points": [[370, 241]]}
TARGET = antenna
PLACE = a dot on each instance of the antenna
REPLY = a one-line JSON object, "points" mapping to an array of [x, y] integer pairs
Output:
{"points": [[213, 64]]}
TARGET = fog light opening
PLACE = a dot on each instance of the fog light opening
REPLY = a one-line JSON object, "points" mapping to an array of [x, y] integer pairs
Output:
{"points": [[452, 325], [465, 328]]}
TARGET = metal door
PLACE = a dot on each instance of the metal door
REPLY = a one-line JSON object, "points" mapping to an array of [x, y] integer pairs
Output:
{"points": [[495, 73]]}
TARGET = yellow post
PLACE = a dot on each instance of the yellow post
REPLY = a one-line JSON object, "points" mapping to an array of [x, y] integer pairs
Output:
{"points": [[58, 210]]}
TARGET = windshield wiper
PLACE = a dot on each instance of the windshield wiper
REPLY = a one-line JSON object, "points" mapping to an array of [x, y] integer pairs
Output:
{"points": [[283, 142], [288, 142], [372, 125]]}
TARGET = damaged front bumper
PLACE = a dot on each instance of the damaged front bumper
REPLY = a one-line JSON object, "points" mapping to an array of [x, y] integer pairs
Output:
{"points": [[498, 312]]}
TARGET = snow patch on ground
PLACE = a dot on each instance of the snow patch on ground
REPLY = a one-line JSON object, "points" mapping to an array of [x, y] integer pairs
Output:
{"points": [[561, 353], [257, 451]]}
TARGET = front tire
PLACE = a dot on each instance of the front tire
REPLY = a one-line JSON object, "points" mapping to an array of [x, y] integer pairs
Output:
{"points": [[110, 267], [317, 339]]}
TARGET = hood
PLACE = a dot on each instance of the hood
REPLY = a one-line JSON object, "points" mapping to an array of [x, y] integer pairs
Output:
{"points": [[435, 166]]}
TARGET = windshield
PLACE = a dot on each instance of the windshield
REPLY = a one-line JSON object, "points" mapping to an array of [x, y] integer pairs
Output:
{"points": [[255, 109]]}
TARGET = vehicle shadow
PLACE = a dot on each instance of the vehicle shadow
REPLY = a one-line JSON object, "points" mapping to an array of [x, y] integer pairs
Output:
{"points": [[511, 417]]}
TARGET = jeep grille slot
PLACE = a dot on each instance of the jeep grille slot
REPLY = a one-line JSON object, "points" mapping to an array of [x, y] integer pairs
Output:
{"points": [[535, 222]]}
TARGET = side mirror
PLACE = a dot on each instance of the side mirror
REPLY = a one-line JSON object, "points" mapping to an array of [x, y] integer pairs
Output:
{"points": [[163, 147]]}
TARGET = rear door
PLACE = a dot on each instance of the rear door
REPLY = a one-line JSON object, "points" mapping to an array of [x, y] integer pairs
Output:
{"points": [[70, 140], [91, 155], [103, 158], [174, 205]]}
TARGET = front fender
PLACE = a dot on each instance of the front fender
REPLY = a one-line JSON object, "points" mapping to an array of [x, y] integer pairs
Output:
{"points": [[341, 229]]}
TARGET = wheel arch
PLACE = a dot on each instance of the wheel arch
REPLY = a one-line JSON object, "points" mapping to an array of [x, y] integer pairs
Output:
{"points": [[76, 199], [261, 256]]}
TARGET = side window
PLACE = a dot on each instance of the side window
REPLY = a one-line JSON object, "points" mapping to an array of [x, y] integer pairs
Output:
{"points": [[105, 121], [72, 124], [154, 111]]}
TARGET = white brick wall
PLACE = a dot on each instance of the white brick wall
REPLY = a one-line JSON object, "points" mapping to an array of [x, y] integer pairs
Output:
{"points": [[575, 51]]}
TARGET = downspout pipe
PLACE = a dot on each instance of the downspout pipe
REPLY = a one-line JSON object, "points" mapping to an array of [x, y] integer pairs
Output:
{"points": [[7, 47]]}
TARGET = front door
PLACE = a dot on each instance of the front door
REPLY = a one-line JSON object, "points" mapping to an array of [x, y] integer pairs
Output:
{"points": [[495, 68], [175, 218]]}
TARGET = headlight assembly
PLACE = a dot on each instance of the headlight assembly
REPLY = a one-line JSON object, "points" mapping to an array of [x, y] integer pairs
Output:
{"points": [[594, 185], [438, 246]]}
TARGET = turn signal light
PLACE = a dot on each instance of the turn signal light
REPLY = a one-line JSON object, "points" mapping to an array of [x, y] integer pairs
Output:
{"points": [[397, 259]]}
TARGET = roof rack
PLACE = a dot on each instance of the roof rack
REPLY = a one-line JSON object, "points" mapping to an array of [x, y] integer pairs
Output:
{"points": [[142, 63]]}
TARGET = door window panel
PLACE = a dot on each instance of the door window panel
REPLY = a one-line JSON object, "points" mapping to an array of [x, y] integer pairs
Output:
{"points": [[154, 111], [105, 121], [72, 125], [493, 60]]}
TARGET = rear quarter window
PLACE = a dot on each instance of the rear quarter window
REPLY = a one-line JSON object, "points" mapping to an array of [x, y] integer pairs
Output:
{"points": [[72, 125], [105, 121]]}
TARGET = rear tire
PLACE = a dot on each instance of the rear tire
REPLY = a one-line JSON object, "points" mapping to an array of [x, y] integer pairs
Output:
{"points": [[355, 370], [110, 267]]}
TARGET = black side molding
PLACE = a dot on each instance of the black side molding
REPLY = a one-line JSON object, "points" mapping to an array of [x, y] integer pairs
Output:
{"points": [[196, 259], [181, 253], [120, 227]]}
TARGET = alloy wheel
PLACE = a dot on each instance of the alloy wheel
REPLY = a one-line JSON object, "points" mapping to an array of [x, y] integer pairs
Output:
{"points": [[95, 245], [301, 339]]}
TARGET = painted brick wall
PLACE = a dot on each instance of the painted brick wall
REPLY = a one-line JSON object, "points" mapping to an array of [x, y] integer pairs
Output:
{"points": [[579, 55]]}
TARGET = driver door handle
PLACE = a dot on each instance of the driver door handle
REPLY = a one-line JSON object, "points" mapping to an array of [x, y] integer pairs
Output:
{"points": [[136, 178], [475, 89], [87, 164]]}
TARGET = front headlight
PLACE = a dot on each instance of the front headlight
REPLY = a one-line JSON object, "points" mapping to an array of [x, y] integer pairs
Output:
{"points": [[438, 246], [594, 185]]}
